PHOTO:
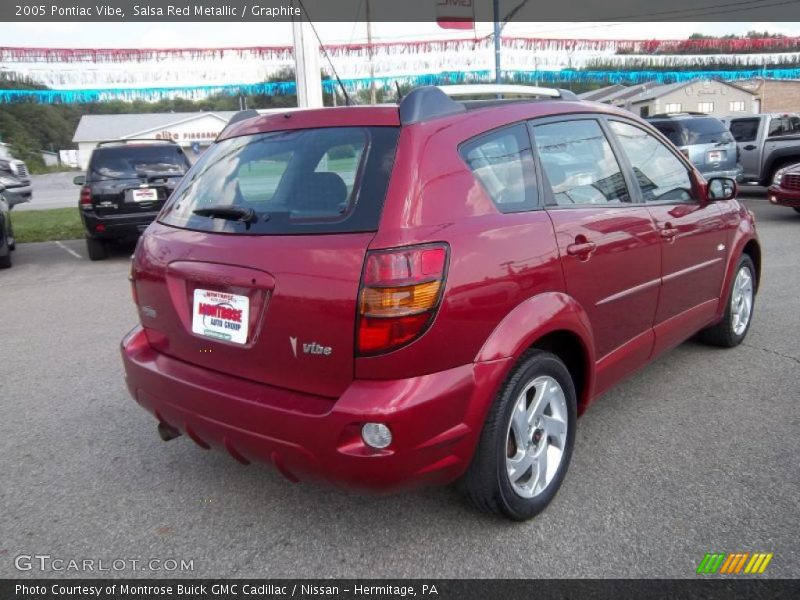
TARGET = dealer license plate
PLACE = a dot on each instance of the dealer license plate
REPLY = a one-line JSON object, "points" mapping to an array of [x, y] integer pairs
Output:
{"points": [[221, 316], [145, 195]]}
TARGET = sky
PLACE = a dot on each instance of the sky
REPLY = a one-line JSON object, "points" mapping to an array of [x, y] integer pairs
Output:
{"points": [[160, 35]]}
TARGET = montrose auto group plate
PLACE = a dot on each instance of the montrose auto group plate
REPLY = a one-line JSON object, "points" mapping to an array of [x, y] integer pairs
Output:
{"points": [[220, 315]]}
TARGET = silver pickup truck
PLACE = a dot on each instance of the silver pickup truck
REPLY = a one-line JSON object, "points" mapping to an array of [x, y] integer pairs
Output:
{"points": [[766, 143]]}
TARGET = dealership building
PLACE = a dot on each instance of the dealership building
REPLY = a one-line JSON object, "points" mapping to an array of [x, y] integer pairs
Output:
{"points": [[194, 131]]}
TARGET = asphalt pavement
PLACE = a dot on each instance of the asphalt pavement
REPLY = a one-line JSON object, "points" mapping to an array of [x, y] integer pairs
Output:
{"points": [[52, 190], [696, 453]]}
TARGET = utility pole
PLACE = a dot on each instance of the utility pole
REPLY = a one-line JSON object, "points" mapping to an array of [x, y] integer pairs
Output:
{"points": [[372, 97], [496, 7], [306, 60]]}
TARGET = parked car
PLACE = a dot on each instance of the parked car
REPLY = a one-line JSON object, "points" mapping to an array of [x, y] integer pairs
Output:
{"points": [[14, 178], [126, 184], [767, 143], [7, 244], [391, 296], [785, 188], [704, 140]]}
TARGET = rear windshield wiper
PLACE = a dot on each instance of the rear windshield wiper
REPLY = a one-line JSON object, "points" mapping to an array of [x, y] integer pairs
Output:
{"points": [[242, 214]]}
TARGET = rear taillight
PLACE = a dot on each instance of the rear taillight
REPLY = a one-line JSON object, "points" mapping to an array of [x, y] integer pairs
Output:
{"points": [[400, 292], [86, 197]]}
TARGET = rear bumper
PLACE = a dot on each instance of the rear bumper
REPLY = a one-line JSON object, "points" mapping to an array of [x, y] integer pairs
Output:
{"points": [[735, 174], [435, 419], [18, 195], [105, 227]]}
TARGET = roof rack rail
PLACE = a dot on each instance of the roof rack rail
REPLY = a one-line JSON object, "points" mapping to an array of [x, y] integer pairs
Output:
{"points": [[683, 113], [126, 140], [428, 102], [242, 115]]}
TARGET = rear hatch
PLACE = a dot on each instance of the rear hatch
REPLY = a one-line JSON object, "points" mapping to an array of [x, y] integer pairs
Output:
{"points": [[254, 265], [134, 178]]}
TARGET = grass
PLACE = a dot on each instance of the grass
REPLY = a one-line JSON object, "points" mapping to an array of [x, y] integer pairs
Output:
{"points": [[46, 225]]}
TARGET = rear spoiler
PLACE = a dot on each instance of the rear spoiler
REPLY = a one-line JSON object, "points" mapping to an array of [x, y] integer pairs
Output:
{"points": [[242, 115]]}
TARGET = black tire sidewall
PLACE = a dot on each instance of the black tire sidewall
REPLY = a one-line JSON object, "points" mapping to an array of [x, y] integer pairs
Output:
{"points": [[515, 506]]}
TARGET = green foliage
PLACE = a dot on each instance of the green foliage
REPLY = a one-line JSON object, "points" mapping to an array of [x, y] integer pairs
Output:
{"points": [[31, 127]]}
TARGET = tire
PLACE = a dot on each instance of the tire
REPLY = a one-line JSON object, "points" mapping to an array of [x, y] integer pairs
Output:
{"points": [[797, 209], [5, 261], [97, 249], [13, 245], [729, 331], [488, 482]]}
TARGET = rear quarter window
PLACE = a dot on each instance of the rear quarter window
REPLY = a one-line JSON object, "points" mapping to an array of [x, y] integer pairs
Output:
{"points": [[502, 162], [326, 180]]}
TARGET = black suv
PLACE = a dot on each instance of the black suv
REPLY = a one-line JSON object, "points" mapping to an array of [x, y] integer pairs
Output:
{"points": [[126, 184]]}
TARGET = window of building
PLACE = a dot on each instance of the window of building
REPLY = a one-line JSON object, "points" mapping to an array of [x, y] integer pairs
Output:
{"points": [[579, 163], [705, 107], [736, 106], [673, 107], [503, 163]]}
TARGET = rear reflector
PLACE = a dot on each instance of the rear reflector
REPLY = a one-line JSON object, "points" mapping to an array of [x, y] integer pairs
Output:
{"points": [[400, 292]]}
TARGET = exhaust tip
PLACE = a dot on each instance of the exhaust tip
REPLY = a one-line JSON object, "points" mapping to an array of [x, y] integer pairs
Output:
{"points": [[167, 432]]}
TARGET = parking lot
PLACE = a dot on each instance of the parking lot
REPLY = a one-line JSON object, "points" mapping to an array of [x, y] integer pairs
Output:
{"points": [[697, 453]]}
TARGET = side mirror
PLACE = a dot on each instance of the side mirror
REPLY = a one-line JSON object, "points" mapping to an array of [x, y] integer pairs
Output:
{"points": [[79, 179], [721, 188]]}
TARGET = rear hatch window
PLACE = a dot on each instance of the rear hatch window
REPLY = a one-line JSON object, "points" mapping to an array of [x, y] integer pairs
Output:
{"points": [[324, 180], [706, 131], [690, 132], [138, 162]]}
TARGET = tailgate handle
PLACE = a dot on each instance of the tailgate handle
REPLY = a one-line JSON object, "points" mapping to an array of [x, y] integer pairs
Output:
{"points": [[221, 275]]}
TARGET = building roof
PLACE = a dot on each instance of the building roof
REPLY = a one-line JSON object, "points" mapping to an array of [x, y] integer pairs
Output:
{"points": [[600, 94], [663, 90], [93, 128]]}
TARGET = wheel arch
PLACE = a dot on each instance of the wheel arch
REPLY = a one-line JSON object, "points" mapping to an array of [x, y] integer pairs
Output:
{"points": [[753, 249], [554, 322]]}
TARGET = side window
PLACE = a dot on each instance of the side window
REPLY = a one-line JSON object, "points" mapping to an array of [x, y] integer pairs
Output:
{"points": [[503, 163], [744, 130], [660, 174], [579, 163], [777, 127]]}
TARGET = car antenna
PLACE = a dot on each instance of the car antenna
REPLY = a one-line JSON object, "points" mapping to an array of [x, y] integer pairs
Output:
{"points": [[399, 93], [347, 100]]}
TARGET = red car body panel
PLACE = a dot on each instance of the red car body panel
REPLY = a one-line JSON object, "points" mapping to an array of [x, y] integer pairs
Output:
{"points": [[510, 282]]}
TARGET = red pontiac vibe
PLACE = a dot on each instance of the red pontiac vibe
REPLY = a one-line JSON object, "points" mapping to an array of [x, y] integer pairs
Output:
{"points": [[391, 296]]}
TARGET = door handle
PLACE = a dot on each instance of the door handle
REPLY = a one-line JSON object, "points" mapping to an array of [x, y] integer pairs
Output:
{"points": [[749, 147], [669, 233], [581, 249]]}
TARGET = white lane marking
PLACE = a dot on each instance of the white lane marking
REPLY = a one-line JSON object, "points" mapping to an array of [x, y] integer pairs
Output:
{"points": [[70, 250]]}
